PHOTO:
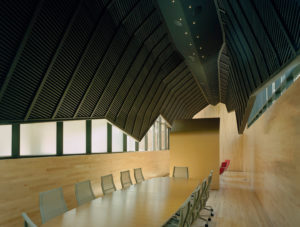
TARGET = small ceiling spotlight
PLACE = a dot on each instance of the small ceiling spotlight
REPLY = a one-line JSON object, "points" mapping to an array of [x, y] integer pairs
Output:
{"points": [[178, 23], [186, 33], [200, 48], [194, 53], [173, 1], [190, 44], [190, 6], [194, 22], [202, 56], [180, 19], [197, 36]]}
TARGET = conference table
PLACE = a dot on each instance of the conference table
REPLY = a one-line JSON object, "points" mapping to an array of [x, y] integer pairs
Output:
{"points": [[150, 203]]}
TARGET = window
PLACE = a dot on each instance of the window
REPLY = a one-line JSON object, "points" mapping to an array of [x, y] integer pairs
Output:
{"points": [[130, 144], [5, 140], [150, 136], [117, 140], [163, 136], [74, 141], [142, 144], [268, 95], [99, 136], [38, 139]]}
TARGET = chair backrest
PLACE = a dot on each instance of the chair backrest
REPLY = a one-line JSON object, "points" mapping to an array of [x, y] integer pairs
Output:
{"points": [[138, 175], [27, 221], [52, 204], [194, 200], [84, 192], [107, 184], [201, 199], [181, 172], [184, 213], [125, 179], [209, 179]]}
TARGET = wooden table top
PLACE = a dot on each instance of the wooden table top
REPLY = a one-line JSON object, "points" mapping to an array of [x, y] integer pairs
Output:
{"points": [[150, 203]]}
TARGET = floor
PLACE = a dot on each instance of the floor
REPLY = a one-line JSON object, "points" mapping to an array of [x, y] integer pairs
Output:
{"points": [[235, 205]]}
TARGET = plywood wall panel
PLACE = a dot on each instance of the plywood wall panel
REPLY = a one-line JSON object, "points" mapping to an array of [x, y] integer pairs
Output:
{"points": [[196, 144], [21, 180], [269, 151]]}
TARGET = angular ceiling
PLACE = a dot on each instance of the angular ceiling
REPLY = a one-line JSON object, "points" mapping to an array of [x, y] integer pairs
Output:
{"points": [[259, 38], [131, 60], [67, 59]]}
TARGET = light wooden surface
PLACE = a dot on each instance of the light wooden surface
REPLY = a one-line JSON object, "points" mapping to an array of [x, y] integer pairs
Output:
{"points": [[269, 154], [21, 180], [195, 143], [150, 203], [231, 143]]}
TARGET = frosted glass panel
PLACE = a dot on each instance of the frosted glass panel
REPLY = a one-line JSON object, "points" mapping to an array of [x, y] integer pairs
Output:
{"points": [[150, 139], [142, 144], [157, 135], [117, 140], [130, 144], [5, 140], [38, 139], [163, 136], [74, 137], [99, 136]]}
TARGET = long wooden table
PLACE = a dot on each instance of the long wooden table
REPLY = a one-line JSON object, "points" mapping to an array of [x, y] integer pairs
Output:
{"points": [[150, 203]]}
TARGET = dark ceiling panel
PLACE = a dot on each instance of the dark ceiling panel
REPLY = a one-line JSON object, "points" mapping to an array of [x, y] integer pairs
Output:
{"points": [[67, 59], [261, 37]]}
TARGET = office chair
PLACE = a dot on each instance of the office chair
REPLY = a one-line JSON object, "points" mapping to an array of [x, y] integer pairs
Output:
{"points": [[27, 221], [52, 204], [138, 175], [107, 184], [84, 192], [181, 172], [125, 179]]}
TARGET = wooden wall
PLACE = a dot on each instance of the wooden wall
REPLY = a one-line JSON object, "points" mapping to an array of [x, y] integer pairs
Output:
{"points": [[270, 152], [21, 180], [195, 143], [231, 142]]}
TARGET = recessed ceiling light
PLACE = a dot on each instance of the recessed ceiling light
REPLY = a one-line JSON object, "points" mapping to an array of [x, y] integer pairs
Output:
{"points": [[186, 33], [202, 56], [180, 19], [198, 36], [173, 1], [178, 23], [194, 53], [190, 6], [190, 44], [200, 48], [194, 22]]}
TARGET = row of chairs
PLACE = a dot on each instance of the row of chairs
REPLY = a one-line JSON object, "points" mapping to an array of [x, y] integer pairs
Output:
{"points": [[192, 207], [52, 202]]}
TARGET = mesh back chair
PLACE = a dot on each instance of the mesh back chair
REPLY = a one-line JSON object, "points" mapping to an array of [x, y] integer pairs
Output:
{"points": [[195, 197], [138, 175], [209, 179], [84, 192], [125, 179], [52, 204], [200, 202], [107, 184], [27, 221], [181, 172], [180, 220]]}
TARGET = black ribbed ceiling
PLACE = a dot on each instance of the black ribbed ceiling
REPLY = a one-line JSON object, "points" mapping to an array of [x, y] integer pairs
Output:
{"points": [[261, 37], [90, 59], [67, 59]]}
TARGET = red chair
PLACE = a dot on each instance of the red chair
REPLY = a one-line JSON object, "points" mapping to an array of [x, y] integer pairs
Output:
{"points": [[224, 166]]}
